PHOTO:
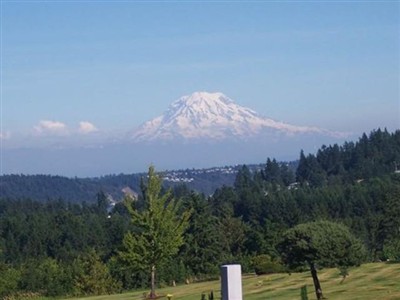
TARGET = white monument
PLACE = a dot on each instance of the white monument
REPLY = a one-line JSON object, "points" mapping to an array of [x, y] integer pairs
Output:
{"points": [[231, 282]]}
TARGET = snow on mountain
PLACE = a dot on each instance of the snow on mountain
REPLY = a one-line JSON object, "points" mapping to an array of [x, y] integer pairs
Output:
{"points": [[214, 116]]}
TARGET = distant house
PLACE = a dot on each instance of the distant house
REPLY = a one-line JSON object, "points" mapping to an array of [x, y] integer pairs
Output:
{"points": [[294, 186], [129, 192]]}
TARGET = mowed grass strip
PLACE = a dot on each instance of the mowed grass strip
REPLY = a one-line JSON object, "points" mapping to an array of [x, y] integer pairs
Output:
{"points": [[368, 282]]}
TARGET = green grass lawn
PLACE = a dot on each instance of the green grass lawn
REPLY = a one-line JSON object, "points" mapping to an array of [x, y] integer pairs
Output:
{"points": [[370, 281]]}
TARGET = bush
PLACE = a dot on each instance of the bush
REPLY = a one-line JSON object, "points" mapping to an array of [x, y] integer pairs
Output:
{"points": [[128, 277], [23, 296], [264, 264], [9, 280], [47, 277], [92, 277], [391, 250]]}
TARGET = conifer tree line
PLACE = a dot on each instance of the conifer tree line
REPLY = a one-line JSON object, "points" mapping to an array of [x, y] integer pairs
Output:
{"points": [[57, 248]]}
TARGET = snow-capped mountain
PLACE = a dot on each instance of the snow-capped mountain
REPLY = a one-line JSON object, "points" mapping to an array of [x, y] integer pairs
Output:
{"points": [[197, 131], [214, 116]]}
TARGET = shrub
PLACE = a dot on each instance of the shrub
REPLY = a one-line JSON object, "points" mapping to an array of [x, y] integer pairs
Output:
{"points": [[391, 250], [47, 277], [92, 277], [264, 264], [9, 280]]}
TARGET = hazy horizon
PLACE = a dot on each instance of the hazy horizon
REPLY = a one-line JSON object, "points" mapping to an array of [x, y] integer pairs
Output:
{"points": [[78, 76]]}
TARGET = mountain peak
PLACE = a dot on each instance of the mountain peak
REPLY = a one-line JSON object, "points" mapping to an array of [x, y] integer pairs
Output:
{"points": [[201, 101], [197, 97], [212, 116]]}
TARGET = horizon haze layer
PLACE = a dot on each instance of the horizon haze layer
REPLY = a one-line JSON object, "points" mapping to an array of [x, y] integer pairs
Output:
{"points": [[77, 78], [197, 131]]}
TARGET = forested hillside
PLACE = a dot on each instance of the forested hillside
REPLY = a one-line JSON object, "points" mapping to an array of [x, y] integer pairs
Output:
{"points": [[371, 156], [58, 248], [46, 187]]}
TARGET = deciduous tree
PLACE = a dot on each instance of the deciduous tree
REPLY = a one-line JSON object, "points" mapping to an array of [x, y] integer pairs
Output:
{"points": [[158, 231], [320, 244]]}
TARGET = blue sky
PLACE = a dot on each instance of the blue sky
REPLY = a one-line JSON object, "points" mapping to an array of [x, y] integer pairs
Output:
{"points": [[101, 68]]}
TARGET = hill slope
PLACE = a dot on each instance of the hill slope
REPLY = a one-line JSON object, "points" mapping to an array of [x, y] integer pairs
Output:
{"points": [[46, 187], [368, 282]]}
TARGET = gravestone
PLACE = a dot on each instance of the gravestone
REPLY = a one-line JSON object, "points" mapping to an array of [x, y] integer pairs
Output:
{"points": [[231, 282]]}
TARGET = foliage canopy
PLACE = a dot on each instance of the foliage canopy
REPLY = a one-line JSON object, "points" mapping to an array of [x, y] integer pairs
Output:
{"points": [[158, 229], [320, 244]]}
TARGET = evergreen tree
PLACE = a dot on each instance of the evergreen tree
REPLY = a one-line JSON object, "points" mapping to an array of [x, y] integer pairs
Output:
{"points": [[272, 172], [202, 251]]}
